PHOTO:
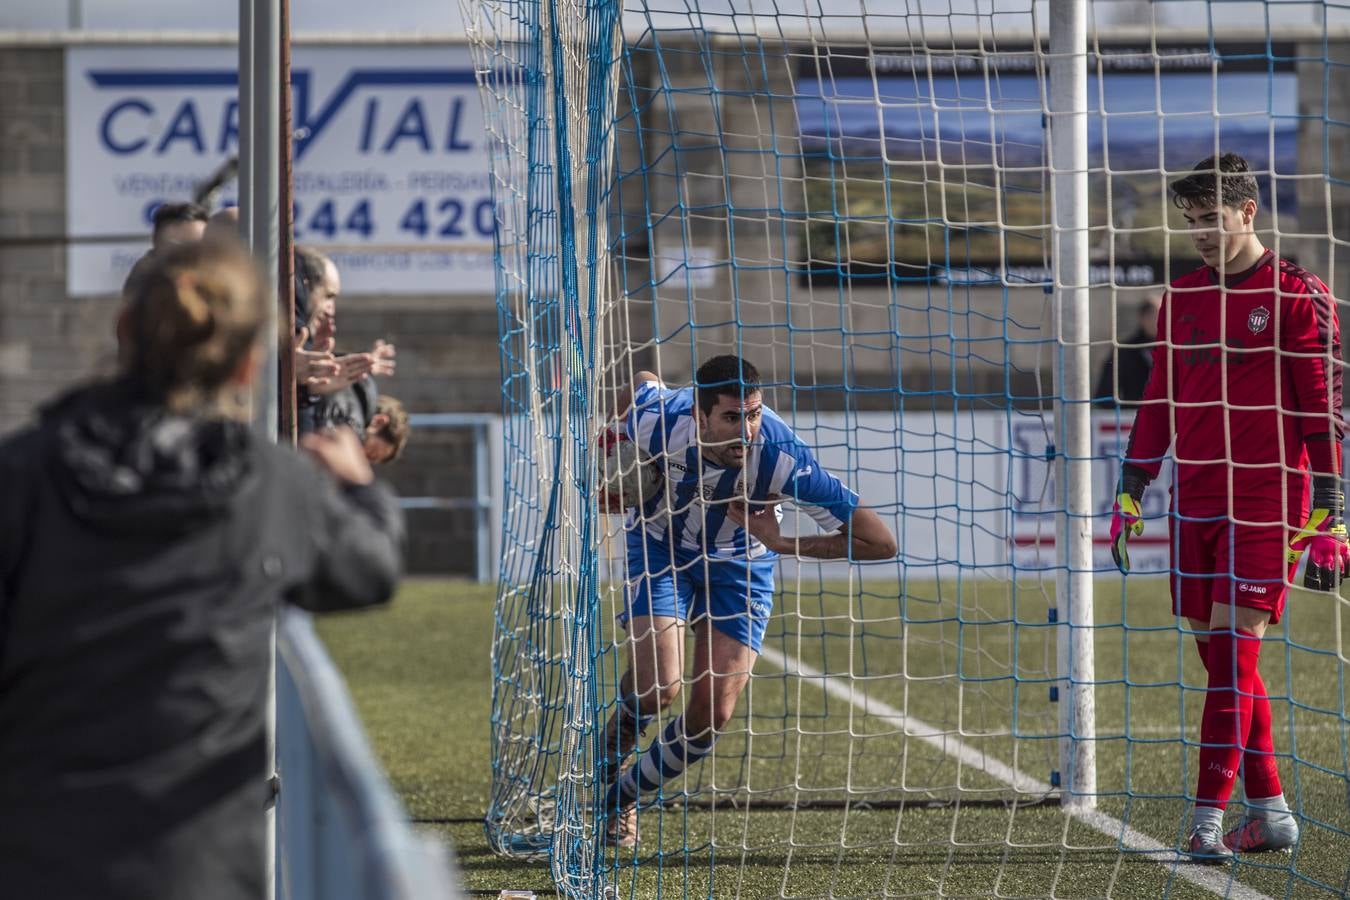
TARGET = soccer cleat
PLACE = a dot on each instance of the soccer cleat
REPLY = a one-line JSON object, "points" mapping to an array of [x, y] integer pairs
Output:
{"points": [[621, 827], [1207, 846], [1255, 835]]}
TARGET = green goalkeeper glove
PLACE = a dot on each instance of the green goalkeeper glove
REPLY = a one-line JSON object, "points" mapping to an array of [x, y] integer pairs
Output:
{"points": [[1127, 518], [1324, 538]]}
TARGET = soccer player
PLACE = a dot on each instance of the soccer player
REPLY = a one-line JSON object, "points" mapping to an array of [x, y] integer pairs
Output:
{"points": [[1246, 389], [701, 552]]}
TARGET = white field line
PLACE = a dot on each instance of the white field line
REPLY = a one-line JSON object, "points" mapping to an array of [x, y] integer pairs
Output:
{"points": [[1216, 880]]}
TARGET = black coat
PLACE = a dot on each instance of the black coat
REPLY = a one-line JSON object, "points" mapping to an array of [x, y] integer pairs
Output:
{"points": [[142, 558], [352, 406], [1124, 383]]}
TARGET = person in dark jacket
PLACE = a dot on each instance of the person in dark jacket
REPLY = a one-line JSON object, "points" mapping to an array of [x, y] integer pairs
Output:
{"points": [[147, 536], [1126, 370]]}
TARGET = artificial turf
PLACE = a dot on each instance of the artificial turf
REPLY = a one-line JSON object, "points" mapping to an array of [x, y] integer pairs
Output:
{"points": [[893, 816]]}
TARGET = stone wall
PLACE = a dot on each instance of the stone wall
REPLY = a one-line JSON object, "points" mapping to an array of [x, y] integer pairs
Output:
{"points": [[47, 340]]}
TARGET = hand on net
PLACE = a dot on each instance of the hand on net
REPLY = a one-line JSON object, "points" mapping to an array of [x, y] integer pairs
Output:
{"points": [[1325, 539]]}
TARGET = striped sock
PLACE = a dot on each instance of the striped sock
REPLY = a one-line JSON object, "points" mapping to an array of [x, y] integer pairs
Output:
{"points": [[667, 757], [630, 723]]}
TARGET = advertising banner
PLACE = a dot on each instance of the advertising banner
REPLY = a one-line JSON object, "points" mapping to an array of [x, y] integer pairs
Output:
{"points": [[389, 151], [977, 498]]}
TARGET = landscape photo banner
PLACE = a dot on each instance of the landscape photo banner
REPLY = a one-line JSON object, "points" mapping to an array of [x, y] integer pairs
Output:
{"points": [[944, 157], [390, 156]]}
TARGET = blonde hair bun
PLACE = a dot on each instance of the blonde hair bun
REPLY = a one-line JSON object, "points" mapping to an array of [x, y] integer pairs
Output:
{"points": [[192, 321]]}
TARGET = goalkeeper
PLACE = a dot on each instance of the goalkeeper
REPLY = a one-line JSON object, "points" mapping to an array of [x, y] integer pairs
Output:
{"points": [[702, 552], [1247, 382]]}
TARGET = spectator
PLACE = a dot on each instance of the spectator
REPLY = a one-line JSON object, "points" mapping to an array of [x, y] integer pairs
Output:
{"points": [[147, 534], [177, 223], [174, 224], [313, 367], [346, 397], [223, 225], [352, 406], [1126, 370], [388, 431], [318, 285], [310, 269]]}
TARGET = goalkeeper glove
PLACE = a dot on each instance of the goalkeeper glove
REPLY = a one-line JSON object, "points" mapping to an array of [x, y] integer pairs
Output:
{"points": [[1126, 515], [1323, 537]]}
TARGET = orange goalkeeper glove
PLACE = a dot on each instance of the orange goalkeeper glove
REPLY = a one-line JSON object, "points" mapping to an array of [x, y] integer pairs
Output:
{"points": [[1324, 538]]}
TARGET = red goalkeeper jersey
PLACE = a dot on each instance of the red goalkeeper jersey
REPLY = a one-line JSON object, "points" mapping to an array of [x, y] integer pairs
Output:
{"points": [[1242, 375]]}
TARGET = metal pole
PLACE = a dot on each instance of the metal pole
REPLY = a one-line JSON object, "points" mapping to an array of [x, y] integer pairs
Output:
{"points": [[259, 170], [265, 150], [482, 505], [246, 118], [286, 398], [1073, 413]]}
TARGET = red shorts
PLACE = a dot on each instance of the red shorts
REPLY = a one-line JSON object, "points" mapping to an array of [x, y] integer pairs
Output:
{"points": [[1219, 561]]}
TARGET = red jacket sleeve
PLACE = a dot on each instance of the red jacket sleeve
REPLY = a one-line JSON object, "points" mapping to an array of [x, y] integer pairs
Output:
{"points": [[1151, 434], [1311, 340]]}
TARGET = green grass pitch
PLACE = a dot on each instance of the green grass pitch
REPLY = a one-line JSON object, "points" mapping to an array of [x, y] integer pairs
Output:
{"points": [[420, 676]]}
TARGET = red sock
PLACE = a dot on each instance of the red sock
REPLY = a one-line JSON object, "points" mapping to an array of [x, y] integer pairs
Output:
{"points": [[1231, 662], [1260, 771]]}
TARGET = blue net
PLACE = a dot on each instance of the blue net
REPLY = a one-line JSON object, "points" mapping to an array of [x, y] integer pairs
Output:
{"points": [[860, 203]]}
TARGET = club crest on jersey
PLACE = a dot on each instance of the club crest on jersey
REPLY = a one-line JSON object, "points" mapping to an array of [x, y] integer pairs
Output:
{"points": [[1258, 319]]}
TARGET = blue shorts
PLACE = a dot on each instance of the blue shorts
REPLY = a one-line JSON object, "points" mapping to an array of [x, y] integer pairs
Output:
{"points": [[735, 595]]}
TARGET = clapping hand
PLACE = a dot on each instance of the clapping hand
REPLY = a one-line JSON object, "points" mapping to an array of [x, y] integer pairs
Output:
{"points": [[325, 332], [312, 367], [351, 368], [382, 356]]}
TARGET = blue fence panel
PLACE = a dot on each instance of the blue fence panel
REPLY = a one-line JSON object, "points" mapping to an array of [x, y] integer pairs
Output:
{"points": [[341, 832]]}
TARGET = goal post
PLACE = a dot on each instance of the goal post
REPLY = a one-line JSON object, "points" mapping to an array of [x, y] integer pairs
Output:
{"points": [[930, 231], [1068, 115]]}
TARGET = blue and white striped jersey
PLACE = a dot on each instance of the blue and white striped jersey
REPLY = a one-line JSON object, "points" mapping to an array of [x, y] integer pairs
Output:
{"points": [[692, 506]]}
